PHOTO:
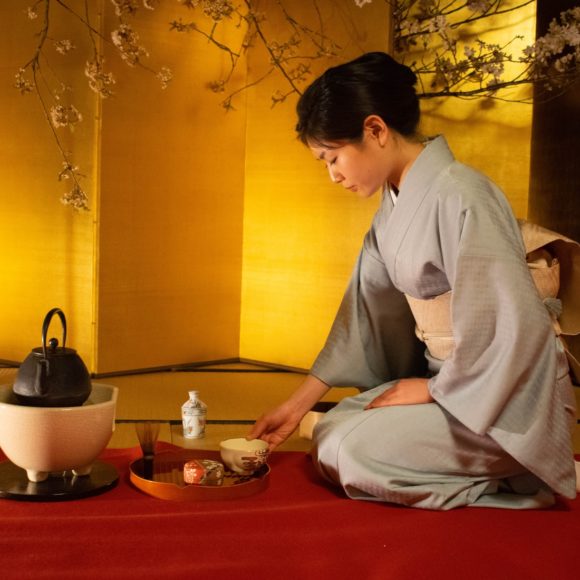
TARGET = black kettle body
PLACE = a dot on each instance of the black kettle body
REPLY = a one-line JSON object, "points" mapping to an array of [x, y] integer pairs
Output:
{"points": [[52, 375]]}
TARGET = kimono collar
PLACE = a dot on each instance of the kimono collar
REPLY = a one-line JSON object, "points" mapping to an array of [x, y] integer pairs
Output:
{"points": [[435, 157]]}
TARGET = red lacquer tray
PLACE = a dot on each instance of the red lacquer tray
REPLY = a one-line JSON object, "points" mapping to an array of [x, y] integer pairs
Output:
{"points": [[166, 479]]}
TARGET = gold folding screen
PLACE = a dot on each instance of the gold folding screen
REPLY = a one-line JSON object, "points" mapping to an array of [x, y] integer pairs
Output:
{"points": [[211, 234], [47, 252]]}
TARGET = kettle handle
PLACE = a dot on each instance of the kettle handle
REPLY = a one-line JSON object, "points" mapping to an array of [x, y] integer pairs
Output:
{"points": [[46, 324]]}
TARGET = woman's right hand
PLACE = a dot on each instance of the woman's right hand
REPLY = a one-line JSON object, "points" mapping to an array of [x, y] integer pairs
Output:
{"points": [[277, 425]]}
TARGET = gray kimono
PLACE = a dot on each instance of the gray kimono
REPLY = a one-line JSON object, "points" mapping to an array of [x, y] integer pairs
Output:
{"points": [[499, 430]]}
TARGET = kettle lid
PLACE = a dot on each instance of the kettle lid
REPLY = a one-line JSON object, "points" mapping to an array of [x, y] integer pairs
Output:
{"points": [[53, 350]]}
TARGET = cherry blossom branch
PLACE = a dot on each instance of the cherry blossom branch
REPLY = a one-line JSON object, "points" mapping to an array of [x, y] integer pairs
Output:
{"points": [[428, 30], [60, 115], [281, 54], [431, 34]]}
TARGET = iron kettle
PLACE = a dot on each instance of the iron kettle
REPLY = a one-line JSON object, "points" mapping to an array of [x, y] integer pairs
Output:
{"points": [[52, 376]]}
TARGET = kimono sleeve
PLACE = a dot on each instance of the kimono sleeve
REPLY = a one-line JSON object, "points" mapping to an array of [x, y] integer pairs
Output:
{"points": [[503, 368], [372, 339]]}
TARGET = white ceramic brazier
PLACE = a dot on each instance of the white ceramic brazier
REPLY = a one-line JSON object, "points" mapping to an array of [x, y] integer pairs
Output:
{"points": [[45, 440]]}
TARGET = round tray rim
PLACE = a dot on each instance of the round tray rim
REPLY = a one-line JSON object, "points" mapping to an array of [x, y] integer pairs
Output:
{"points": [[171, 491]]}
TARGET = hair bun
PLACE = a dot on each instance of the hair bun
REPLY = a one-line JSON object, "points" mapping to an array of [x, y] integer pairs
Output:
{"points": [[334, 106], [407, 75], [400, 73]]}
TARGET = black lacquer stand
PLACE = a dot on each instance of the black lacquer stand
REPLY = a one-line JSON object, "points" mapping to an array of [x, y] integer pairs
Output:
{"points": [[14, 483]]}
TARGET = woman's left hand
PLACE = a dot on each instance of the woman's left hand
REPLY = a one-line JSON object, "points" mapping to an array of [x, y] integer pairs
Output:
{"points": [[404, 392]]}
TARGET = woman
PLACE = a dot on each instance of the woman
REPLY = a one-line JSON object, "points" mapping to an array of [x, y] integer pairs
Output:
{"points": [[486, 423]]}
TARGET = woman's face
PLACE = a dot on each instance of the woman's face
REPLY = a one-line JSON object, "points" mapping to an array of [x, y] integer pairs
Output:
{"points": [[359, 167]]}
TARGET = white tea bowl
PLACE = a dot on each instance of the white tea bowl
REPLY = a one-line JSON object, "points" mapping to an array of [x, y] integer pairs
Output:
{"points": [[42, 440], [243, 456]]}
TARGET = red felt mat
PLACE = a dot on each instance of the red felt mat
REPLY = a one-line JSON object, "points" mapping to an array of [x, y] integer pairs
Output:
{"points": [[298, 528]]}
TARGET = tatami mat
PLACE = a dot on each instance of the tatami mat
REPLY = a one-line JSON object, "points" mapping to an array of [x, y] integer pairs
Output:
{"points": [[235, 394]]}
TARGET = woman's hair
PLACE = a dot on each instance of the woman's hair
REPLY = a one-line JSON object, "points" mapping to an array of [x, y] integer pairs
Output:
{"points": [[335, 105]]}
